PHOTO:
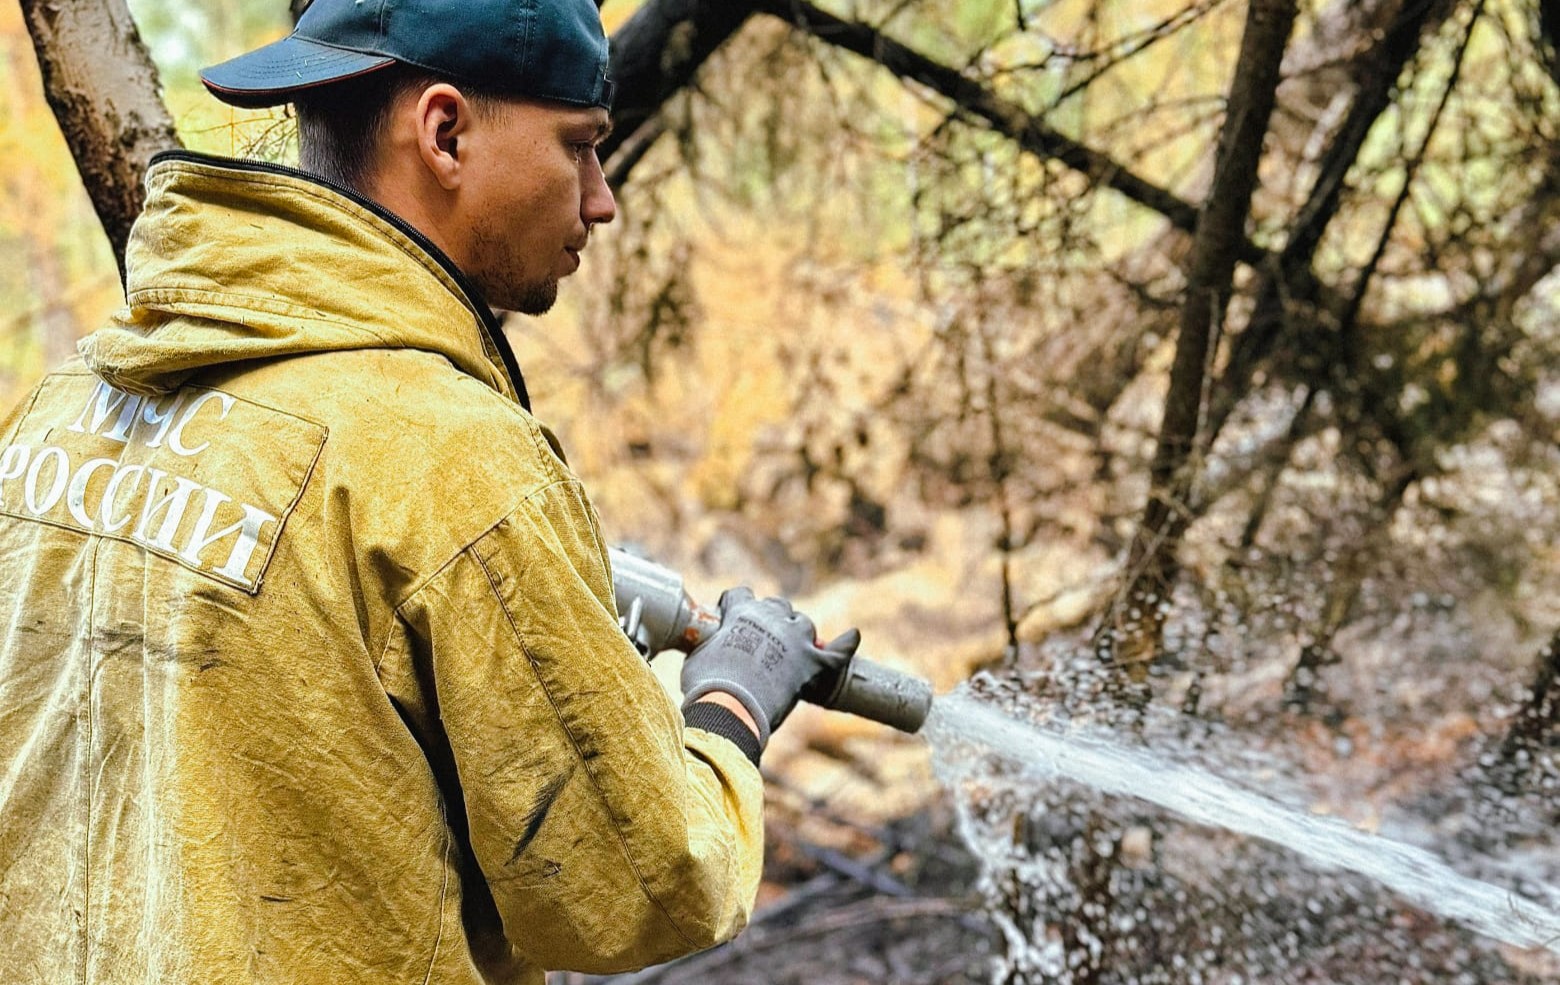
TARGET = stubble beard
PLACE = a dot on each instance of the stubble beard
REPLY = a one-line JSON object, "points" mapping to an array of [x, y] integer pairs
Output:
{"points": [[503, 287], [529, 299]]}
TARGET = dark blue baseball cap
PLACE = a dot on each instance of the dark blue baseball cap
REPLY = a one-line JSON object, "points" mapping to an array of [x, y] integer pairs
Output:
{"points": [[540, 49]]}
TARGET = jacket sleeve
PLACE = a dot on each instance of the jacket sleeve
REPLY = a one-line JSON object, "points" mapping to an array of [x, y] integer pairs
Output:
{"points": [[610, 836]]}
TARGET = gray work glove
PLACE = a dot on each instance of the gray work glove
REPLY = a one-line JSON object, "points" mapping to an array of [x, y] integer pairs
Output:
{"points": [[764, 654]]}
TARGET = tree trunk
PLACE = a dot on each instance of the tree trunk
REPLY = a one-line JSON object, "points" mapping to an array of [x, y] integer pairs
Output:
{"points": [[1130, 636], [103, 89]]}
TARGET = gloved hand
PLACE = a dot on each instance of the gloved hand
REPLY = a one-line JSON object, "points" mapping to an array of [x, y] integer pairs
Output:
{"points": [[764, 654]]}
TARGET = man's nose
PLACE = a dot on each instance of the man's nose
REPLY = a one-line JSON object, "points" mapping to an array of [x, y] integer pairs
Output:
{"points": [[597, 204]]}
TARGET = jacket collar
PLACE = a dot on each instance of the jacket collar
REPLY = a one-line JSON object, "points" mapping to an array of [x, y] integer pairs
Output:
{"points": [[233, 260]]}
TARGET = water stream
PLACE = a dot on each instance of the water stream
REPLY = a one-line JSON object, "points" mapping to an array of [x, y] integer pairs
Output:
{"points": [[1096, 759]]}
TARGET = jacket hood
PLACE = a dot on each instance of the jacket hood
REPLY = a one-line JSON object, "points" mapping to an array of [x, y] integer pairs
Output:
{"points": [[237, 260]]}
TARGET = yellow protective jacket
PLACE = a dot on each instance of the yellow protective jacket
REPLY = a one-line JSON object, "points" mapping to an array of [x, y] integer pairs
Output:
{"points": [[309, 663]]}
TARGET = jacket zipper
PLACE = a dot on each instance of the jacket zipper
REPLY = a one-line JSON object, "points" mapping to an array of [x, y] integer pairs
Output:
{"points": [[485, 317]]}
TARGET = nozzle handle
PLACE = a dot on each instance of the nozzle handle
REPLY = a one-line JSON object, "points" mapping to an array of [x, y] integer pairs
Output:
{"points": [[871, 690]]}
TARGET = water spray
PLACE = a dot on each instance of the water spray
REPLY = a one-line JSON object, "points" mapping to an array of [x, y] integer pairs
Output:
{"points": [[1096, 759], [658, 614]]}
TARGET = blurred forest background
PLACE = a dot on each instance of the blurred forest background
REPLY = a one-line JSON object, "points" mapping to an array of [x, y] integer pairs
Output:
{"points": [[1190, 366]]}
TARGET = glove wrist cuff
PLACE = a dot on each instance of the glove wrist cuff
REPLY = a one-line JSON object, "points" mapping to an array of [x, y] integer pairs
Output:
{"points": [[719, 720], [744, 697]]}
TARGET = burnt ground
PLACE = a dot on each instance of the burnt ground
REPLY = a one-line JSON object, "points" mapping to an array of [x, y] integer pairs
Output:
{"points": [[844, 904]]}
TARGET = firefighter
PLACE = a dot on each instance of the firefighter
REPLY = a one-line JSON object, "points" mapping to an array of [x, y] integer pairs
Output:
{"points": [[310, 669]]}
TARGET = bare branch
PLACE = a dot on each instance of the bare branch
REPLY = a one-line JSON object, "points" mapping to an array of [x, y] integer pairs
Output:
{"points": [[1376, 73], [975, 100], [632, 150], [1411, 174], [656, 55]]}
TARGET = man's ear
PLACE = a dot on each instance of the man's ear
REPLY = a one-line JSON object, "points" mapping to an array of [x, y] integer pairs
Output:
{"points": [[443, 118]]}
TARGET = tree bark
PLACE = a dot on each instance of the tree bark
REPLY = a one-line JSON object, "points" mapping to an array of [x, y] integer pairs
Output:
{"points": [[1130, 635], [103, 88]]}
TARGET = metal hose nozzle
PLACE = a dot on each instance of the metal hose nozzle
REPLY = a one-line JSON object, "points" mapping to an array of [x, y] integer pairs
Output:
{"points": [[658, 615]]}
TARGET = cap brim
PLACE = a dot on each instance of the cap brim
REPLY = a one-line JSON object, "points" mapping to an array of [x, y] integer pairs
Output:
{"points": [[279, 71]]}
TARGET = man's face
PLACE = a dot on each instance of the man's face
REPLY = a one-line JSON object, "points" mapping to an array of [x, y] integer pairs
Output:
{"points": [[533, 199]]}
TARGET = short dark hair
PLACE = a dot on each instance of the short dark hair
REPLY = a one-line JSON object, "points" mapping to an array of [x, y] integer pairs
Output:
{"points": [[340, 125]]}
